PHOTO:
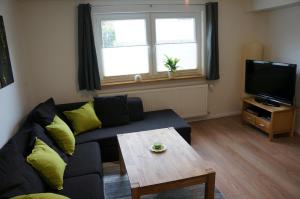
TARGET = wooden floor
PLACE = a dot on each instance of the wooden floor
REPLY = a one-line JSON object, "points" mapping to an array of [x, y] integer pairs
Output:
{"points": [[247, 164]]}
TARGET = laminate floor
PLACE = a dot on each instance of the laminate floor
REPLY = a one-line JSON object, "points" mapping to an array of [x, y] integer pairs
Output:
{"points": [[247, 164]]}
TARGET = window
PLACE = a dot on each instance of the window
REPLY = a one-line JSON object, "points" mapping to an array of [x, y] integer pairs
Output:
{"points": [[176, 37], [124, 48], [130, 44]]}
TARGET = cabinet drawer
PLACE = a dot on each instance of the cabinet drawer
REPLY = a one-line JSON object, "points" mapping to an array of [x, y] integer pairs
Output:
{"points": [[263, 124], [248, 117]]}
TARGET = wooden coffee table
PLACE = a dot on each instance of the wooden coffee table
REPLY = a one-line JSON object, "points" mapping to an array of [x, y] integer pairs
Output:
{"points": [[149, 172]]}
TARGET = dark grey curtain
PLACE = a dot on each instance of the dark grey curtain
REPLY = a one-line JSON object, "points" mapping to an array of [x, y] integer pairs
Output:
{"points": [[212, 42], [88, 72]]}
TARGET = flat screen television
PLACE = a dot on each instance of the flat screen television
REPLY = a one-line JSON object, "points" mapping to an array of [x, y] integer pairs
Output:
{"points": [[271, 81]]}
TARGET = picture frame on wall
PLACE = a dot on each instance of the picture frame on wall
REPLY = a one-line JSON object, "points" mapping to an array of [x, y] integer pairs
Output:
{"points": [[6, 73]]}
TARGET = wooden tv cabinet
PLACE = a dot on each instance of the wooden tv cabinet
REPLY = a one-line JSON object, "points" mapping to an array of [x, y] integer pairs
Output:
{"points": [[272, 120]]}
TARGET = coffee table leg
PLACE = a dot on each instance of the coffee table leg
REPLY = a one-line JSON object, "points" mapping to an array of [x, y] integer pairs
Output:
{"points": [[210, 186], [135, 194], [122, 164]]}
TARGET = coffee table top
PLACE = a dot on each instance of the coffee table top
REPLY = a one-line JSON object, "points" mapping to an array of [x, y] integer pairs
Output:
{"points": [[145, 168]]}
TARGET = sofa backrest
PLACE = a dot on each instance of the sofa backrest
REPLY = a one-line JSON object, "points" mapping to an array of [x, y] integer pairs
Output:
{"points": [[22, 138], [135, 107], [18, 177], [69, 106]]}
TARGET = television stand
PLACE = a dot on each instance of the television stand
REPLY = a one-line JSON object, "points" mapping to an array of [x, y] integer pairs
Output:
{"points": [[267, 102], [270, 119]]}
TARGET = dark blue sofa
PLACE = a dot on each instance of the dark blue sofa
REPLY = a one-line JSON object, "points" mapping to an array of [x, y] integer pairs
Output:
{"points": [[83, 177]]}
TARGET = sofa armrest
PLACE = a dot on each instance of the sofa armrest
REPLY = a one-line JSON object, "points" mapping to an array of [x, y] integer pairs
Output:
{"points": [[135, 108]]}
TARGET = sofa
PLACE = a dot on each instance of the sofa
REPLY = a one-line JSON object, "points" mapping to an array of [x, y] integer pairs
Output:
{"points": [[83, 177]]}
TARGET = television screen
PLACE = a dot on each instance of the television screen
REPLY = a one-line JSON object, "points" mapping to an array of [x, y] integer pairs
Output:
{"points": [[274, 81]]}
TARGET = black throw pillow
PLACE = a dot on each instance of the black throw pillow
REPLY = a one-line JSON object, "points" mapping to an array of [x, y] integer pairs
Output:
{"points": [[135, 108], [40, 132], [17, 177], [45, 112], [112, 110]]}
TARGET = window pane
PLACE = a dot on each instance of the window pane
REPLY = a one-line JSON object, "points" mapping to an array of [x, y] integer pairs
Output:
{"points": [[118, 33], [125, 60], [177, 30], [187, 53]]}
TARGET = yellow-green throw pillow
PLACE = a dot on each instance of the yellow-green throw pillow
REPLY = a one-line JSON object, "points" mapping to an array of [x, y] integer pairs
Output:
{"points": [[62, 135], [48, 163], [84, 118], [40, 196]]}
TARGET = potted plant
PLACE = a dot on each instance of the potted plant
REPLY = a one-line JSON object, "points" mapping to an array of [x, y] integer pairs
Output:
{"points": [[171, 64]]}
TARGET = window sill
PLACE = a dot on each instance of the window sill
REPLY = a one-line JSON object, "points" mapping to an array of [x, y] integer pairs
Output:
{"points": [[149, 81]]}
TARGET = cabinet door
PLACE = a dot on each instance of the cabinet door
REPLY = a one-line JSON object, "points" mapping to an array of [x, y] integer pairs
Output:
{"points": [[263, 124], [248, 117]]}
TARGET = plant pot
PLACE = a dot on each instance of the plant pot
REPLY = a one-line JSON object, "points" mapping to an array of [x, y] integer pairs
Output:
{"points": [[171, 75]]}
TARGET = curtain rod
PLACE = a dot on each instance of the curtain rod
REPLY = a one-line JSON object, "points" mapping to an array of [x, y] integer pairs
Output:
{"points": [[176, 4]]}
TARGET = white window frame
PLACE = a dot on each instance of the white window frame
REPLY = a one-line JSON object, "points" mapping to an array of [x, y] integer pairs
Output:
{"points": [[198, 39], [149, 13], [99, 44]]}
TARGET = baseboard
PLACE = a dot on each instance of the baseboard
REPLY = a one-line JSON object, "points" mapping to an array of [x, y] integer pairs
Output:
{"points": [[213, 116]]}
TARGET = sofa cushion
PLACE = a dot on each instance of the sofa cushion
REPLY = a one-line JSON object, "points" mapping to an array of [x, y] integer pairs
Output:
{"points": [[22, 138], [44, 112], [62, 135], [135, 108], [48, 164], [39, 132], [87, 187], [24, 180], [68, 107], [112, 110], [153, 120], [84, 118], [16, 176], [9, 158], [85, 160], [41, 196]]}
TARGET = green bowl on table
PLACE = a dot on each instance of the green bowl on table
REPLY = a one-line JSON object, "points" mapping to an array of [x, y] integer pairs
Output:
{"points": [[158, 147]]}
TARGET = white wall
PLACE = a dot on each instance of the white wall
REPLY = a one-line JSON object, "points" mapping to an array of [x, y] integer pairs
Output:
{"points": [[284, 41], [236, 28], [13, 98], [50, 32], [271, 4], [51, 35]]}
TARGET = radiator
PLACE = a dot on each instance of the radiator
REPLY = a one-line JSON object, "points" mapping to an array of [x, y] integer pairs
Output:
{"points": [[187, 101]]}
